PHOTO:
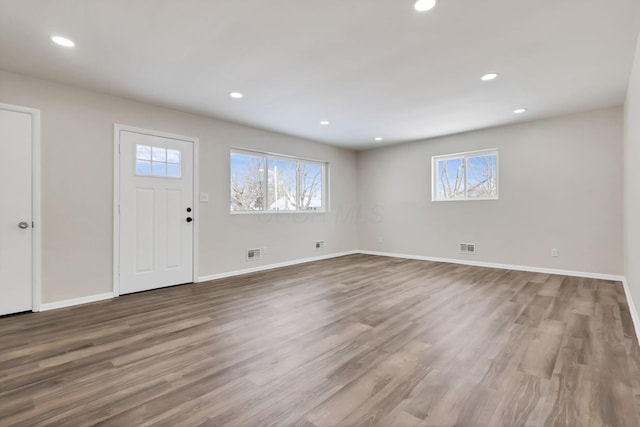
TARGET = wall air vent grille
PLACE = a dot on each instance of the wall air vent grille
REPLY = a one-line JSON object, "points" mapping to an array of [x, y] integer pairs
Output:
{"points": [[253, 254], [468, 248]]}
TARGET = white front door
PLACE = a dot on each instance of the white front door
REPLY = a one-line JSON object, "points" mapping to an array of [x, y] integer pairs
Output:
{"points": [[156, 211], [16, 291]]}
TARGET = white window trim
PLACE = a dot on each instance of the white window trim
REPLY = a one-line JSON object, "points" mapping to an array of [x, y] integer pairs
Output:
{"points": [[463, 155], [270, 155]]}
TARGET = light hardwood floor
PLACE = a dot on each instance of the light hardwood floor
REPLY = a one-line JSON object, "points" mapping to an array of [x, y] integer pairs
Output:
{"points": [[356, 340]]}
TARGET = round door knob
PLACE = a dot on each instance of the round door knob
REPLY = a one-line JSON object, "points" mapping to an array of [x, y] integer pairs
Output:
{"points": [[189, 219], [23, 224]]}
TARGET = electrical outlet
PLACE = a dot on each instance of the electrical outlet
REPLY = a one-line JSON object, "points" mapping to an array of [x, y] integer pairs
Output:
{"points": [[554, 252], [319, 244]]}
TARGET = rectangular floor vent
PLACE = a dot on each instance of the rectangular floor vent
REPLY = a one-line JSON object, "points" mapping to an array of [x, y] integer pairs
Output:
{"points": [[253, 254], [468, 248]]}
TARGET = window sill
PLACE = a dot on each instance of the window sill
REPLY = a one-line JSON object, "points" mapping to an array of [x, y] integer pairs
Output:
{"points": [[277, 212], [466, 200]]}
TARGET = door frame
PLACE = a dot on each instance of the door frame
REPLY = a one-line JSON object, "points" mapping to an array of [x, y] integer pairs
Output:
{"points": [[117, 128], [36, 204]]}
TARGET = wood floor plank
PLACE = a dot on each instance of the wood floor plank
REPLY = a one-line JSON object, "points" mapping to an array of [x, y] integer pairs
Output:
{"points": [[516, 408], [383, 380], [350, 341], [540, 356]]}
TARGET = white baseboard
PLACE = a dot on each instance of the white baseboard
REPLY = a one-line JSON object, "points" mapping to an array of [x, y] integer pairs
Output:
{"points": [[272, 266], [632, 308], [75, 301], [109, 295], [589, 275], [501, 266]]}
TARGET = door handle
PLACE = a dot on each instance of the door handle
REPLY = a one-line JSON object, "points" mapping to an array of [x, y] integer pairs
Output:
{"points": [[189, 219], [23, 224]]}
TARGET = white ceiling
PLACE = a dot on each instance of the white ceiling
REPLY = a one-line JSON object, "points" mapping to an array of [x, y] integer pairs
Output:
{"points": [[371, 67]]}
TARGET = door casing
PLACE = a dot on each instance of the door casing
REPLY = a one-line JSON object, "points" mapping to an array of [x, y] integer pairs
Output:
{"points": [[36, 204], [116, 196]]}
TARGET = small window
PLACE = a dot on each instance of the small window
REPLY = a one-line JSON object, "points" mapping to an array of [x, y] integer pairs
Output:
{"points": [[158, 161], [262, 182], [465, 176]]}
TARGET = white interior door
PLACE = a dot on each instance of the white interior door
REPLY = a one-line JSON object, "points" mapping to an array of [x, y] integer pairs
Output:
{"points": [[156, 211], [16, 291]]}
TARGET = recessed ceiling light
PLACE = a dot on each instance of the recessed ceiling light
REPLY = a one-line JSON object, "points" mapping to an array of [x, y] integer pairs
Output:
{"points": [[378, 138], [62, 41], [519, 110], [324, 122], [424, 5], [489, 77], [236, 95]]}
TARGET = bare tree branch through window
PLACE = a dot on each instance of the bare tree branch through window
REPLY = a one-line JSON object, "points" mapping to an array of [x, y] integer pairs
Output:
{"points": [[261, 182], [466, 176]]}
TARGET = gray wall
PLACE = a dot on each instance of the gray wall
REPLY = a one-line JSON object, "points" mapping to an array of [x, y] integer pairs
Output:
{"points": [[632, 181], [560, 187], [77, 175]]}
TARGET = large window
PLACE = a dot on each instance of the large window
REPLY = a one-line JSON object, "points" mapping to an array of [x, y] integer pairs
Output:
{"points": [[263, 182], [465, 176]]}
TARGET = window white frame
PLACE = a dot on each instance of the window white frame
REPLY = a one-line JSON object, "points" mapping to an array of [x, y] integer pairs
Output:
{"points": [[273, 156], [464, 156]]}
